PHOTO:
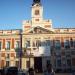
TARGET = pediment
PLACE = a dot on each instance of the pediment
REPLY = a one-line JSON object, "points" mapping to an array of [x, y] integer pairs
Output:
{"points": [[38, 30]]}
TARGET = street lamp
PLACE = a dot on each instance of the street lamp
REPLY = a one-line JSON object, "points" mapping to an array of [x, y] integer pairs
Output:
{"points": [[19, 55], [25, 52]]}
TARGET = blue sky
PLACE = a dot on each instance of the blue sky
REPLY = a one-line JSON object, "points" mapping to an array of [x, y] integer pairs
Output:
{"points": [[13, 12]]}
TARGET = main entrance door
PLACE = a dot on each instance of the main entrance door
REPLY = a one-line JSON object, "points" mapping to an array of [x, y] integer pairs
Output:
{"points": [[38, 64]]}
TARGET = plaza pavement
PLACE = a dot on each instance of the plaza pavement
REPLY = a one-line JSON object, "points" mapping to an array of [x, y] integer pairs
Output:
{"points": [[56, 74]]}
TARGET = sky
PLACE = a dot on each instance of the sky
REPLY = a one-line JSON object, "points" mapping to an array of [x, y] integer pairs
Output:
{"points": [[14, 12]]}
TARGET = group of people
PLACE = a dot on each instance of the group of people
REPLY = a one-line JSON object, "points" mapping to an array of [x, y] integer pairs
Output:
{"points": [[48, 71]]}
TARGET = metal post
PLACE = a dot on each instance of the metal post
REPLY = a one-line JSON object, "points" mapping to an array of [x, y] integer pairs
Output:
{"points": [[20, 60]]}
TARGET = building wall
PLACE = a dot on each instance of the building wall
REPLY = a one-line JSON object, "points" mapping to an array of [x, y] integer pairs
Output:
{"points": [[34, 41], [8, 48], [60, 52]]}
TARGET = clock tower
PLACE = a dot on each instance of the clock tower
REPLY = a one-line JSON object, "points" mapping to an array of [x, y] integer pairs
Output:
{"points": [[37, 13]]}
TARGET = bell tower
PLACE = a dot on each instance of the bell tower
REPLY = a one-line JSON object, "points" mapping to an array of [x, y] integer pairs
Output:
{"points": [[37, 12]]}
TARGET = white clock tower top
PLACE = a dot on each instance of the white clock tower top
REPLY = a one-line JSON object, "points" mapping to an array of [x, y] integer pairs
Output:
{"points": [[37, 12], [37, 18]]}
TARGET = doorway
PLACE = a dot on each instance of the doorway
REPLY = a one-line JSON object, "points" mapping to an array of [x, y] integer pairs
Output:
{"points": [[38, 64]]}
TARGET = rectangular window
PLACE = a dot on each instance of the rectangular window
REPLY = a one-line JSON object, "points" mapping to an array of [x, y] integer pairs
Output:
{"points": [[28, 43], [17, 44], [0, 45], [73, 62], [33, 43], [71, 42], [8, 45], [64, 62], [43, 43], [59, 63], [68, 62], [8, 55], [17, 64], [58, 56], [57, 44], [72, 52], [68, 54], [38, 43], [48, 62], [17, 54], [66, 44], [27, 64], [7, 63], [74, 43], [47, 42]]}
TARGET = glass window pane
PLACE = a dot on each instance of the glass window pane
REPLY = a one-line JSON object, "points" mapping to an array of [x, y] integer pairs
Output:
{"points": [[17, 44], [57, 44], [48, 42], [66, 44], [27, 43], [69, 62], [59, 63], [74, 43], [7, 63], [8, 45]]}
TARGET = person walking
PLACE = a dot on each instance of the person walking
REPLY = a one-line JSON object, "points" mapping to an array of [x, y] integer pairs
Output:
{"points": [[49, 70], [31, 71]]}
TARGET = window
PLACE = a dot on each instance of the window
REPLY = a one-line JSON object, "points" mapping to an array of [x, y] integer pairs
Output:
{"points": [[7, 63], [33, 43], [64, 62], [63, 53], [36, 12], [71, 42], [47, 42], [36, 19], [28, 43], [38, 43], [8, 56], [68, 54], [57, 44], [69, 62], [55, 62], [66, 44], [48, 62], [27, 64], [74, 43], [8, 45], [17, 54], [17, 63], [43, 43], [58, 54], [17, 44], [59, 63], [0, 45], [72, 52], [73, 62]]}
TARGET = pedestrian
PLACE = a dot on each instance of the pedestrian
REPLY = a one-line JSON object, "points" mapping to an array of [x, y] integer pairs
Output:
{"points": [[31, 71], [49, 70]]}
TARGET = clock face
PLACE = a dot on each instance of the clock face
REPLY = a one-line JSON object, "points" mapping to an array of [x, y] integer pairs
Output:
{"points": [[36, 12]]}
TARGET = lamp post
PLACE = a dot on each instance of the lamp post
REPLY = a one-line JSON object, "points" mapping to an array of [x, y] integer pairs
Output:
{"points": [[25, 50]]}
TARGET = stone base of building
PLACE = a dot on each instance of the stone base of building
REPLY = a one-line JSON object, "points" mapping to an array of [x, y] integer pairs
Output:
{"points": [[38, 63]]}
